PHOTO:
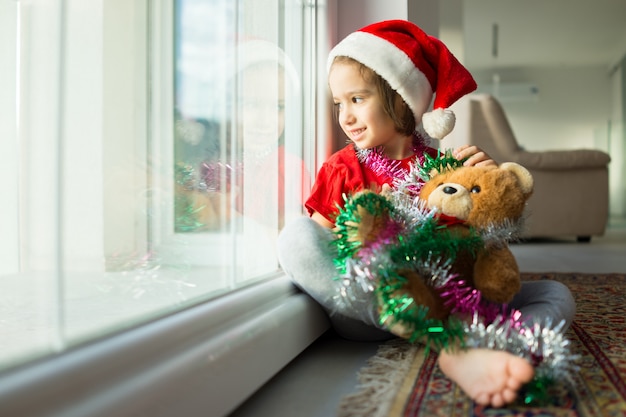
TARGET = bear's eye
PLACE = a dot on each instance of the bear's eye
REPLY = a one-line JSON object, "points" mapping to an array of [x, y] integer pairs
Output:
{"points": [[475, 189]]}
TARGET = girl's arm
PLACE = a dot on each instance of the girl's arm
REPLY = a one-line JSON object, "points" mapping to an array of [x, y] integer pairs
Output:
{"points": [[321, 220]]}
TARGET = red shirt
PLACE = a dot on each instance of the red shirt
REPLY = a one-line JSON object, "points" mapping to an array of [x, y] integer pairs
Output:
{"points": [[343, 174]]}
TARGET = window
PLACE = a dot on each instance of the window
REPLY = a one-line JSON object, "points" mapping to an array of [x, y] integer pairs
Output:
{"points": [[237, 135], [153, 151]]}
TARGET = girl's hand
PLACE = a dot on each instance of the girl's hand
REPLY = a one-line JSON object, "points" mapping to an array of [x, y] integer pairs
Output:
{"points": [[475, 155]]}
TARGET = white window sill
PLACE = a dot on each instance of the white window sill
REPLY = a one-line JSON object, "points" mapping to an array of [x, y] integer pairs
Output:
{"points": [[209, 357]]}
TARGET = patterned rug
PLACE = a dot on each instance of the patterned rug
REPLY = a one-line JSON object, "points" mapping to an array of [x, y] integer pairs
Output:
{"points": [[401, 381]]}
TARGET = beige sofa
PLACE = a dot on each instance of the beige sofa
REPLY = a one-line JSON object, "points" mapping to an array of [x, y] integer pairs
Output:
{"points": [[571, 196]]}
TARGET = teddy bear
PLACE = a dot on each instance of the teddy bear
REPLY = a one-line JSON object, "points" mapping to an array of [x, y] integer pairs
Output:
{"points": [[483, 198], [426, 256]]}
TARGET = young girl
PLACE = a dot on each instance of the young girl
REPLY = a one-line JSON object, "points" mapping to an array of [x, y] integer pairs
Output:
{"points": [[383, 78]]}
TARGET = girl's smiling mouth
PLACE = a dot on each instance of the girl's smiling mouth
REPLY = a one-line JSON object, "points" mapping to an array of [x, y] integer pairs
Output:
{"points": [[356, 133]]}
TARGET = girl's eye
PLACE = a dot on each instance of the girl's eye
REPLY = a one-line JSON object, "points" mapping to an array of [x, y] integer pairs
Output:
{"points": [[475, 189], [357, 99], [338, 106]]}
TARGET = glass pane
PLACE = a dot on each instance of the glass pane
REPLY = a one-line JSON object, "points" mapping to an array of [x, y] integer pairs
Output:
{"points": [[30, 323], [154, 153], [238, 104]]}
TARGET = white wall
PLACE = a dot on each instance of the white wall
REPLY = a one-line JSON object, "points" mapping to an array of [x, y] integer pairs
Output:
{"points": [[354, 14], [617, 142], [572, 103], [574, 107]]}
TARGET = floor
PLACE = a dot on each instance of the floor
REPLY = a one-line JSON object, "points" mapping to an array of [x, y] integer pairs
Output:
{"points": [[313, 384]]}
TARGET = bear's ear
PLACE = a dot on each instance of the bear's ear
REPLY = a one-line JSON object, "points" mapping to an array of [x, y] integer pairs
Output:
{"points": [[523, 176]]}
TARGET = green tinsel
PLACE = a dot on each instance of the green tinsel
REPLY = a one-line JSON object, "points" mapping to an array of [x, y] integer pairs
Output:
{"points": [[536, 391], [185, 214], [429, 239], [420, 245], [347, 223], [442, 162], [423, 240], [403, 310]]}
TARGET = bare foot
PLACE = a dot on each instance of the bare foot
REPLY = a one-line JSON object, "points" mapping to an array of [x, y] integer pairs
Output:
{"points": [[489, 377]]}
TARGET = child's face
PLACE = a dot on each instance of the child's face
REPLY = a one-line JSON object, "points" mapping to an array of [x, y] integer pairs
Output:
{"points": [[263, 102], [360, 110]]}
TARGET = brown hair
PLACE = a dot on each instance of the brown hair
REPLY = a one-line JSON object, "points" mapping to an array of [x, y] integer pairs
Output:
{"points": [[393, 104]]}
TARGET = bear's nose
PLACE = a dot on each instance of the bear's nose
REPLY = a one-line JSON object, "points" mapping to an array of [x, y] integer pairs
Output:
{"points": [[449, 190]]}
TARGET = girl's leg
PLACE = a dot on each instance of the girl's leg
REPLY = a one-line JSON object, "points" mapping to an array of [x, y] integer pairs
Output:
{"points": [[306, 255], [494, 377], [545, 300]]}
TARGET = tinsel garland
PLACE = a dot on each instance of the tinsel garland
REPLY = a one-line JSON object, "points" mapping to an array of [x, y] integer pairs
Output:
{"points": [[378, 162], [421, 245], [442, 162], [542, 344], [411, 238], [186, 213]]}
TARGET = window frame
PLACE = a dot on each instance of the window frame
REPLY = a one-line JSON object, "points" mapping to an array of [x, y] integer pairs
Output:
{"points": [[211, 355], [214, 355]]}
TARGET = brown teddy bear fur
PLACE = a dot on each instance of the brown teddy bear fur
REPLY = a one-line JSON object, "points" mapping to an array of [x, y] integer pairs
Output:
{"points": [[481, 197], [476, 198]]}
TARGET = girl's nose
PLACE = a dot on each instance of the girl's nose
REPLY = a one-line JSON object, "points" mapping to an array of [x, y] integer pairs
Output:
{"points": [[345, 116]]}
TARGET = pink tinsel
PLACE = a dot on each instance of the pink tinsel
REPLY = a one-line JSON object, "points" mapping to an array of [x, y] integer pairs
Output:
{"points": [[463, 299], [386, 237], [377, 161]]}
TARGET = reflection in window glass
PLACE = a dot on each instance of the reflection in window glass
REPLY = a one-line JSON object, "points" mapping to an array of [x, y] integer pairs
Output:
{"points": [[169, 188], [235, 85]]}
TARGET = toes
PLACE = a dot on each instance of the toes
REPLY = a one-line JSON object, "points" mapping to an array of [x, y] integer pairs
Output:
{"points": [[482, 399], [521, 371], [497, 401], [509, 395], [500, 399]]}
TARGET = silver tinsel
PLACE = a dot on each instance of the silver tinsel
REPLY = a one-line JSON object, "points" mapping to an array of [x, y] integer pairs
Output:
{"points": [[359, 280], [499, 235], [544, 346], [409, 209], [437, 269]]}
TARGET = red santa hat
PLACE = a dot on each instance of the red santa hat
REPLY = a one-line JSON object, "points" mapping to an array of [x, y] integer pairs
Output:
{"points": [[414, 64]]}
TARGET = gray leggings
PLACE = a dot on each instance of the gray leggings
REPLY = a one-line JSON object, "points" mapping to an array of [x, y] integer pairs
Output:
{"points": [[306, 255]]}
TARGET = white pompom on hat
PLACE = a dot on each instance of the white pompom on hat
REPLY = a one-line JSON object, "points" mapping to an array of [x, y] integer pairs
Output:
{"points": [[416, 65]]}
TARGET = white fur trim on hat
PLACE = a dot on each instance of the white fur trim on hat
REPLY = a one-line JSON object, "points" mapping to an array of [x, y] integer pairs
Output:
{"points": [[384, 58]]}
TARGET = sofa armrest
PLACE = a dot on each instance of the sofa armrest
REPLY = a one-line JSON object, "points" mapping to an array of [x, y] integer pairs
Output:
{"points": [[562, 160]]}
